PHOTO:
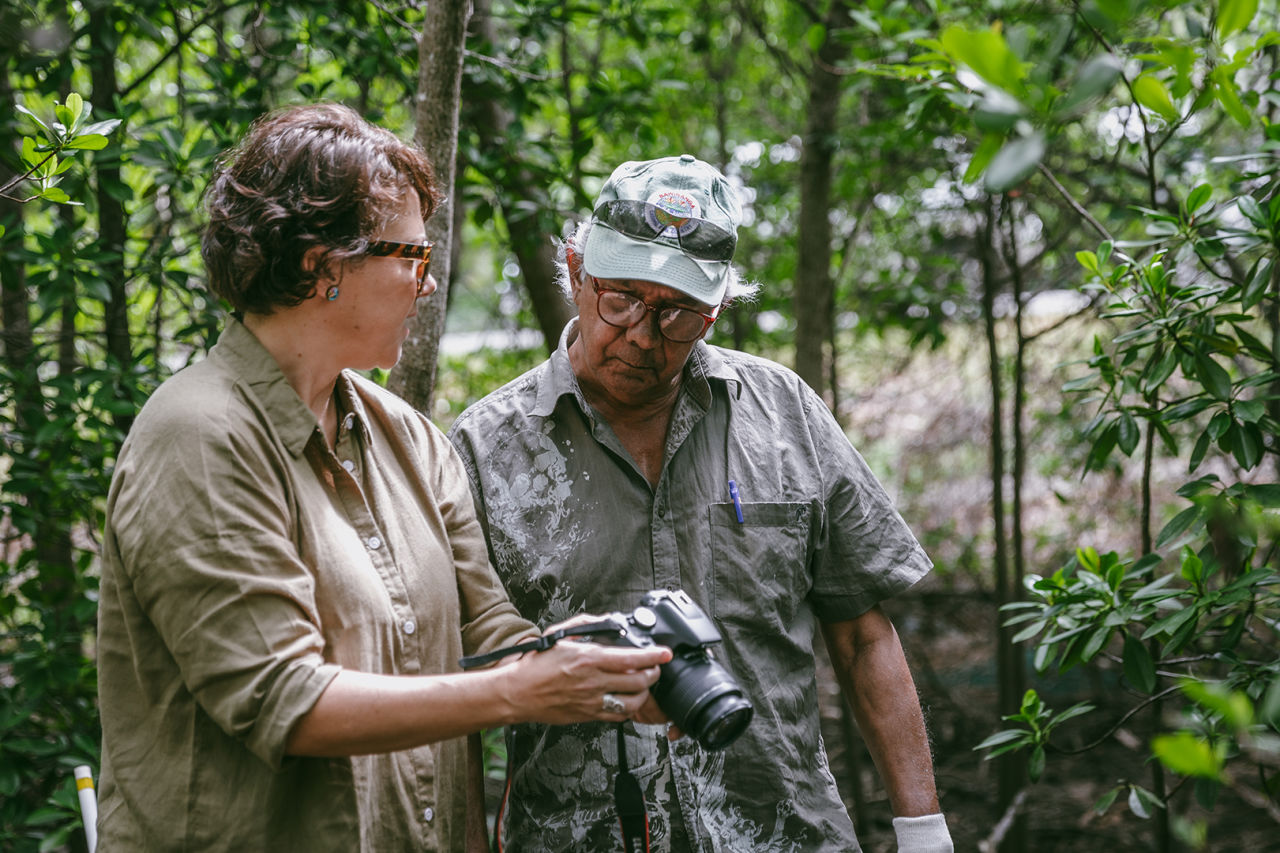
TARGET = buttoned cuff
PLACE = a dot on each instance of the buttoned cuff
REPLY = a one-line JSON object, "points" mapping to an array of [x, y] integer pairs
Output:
{"points": [[924, 834]]}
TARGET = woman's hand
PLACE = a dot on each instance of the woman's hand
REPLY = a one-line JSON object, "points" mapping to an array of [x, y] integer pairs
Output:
{"points": [[569, 682]]}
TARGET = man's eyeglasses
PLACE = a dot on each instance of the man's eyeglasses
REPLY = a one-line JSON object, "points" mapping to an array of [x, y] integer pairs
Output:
{"points": [[646, 222], [622, 310], [420, 252]]}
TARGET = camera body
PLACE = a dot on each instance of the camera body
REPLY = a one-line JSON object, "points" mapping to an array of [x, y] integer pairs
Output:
{"points": [[693, 689]]}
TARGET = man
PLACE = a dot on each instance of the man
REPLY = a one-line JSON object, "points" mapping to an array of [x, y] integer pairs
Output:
{"points": [[638, 458]]}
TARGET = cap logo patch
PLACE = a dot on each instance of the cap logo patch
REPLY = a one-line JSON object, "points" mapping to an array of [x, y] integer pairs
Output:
{"points": [[672, 214]]}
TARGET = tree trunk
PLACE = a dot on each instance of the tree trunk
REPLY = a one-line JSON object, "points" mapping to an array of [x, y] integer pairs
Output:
{"points": [[813, 289], [440, 54], [525, 206], [111, 212], [1011, 768]]}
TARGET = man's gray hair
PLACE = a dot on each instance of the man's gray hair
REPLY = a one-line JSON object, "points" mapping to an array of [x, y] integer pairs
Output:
{"points": [[738, 290]]}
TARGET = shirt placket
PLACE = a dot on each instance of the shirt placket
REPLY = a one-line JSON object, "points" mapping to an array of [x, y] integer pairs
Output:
{"points": [[666, 569], [346, 468]]}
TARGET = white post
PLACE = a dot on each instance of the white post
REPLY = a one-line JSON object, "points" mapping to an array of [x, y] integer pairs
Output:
{"points": [[88, 804]]}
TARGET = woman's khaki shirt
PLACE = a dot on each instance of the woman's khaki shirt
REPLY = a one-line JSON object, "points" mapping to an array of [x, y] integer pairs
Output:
{"points": [[245, 564]]}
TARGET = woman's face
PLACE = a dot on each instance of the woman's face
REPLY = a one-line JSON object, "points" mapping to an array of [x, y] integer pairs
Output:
{"points": [[378, 295]]}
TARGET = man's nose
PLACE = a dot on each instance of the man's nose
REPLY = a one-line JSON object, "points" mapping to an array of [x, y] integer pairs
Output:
{"points": [[644, 332]]}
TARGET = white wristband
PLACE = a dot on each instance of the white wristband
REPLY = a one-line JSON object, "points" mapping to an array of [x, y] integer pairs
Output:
{"points": [[924, 834]]}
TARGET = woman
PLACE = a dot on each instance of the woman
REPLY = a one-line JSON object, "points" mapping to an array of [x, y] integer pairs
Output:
{"points": [[292, 563]]}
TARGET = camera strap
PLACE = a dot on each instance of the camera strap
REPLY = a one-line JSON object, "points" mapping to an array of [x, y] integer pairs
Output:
{"points": [[541, 644], [629, 800]]}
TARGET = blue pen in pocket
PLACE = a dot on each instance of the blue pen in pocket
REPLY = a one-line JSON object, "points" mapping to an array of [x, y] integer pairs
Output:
{"points": [[737, 503]]}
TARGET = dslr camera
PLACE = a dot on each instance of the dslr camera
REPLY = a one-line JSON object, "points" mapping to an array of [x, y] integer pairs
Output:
{"points": [[695, 691]]}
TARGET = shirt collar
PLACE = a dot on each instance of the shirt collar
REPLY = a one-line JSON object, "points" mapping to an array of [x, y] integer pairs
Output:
{"points": [[705, 363], [249, 360]]}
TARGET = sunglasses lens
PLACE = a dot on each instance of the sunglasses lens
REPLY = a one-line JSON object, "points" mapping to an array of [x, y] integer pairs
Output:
{"points": [[647, 222]]}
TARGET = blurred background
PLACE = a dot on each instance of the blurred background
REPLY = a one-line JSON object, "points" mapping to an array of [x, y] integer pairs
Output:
{"points": [[1025, 250]]}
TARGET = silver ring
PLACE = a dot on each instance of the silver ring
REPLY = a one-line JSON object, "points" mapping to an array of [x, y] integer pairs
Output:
{"points": [[613, 705]]}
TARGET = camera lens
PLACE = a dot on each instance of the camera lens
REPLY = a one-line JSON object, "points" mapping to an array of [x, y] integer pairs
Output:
{"points": [[703, 699], [726, 718]]}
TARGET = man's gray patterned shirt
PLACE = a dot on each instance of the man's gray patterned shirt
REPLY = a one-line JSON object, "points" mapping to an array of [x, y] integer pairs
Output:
{"points": [[574, 526]]}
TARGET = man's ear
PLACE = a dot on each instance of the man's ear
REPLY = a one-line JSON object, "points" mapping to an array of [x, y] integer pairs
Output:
{"points": [[574, 263]]}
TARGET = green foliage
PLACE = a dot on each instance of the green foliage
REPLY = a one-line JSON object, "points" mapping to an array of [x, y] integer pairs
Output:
{"points": [[1186, 281], [68, 131], [1039, 722]]}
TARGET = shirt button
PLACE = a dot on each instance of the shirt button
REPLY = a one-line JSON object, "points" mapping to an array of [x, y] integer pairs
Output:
{"points": [[409, 627], [348, 421], [349, 465], [662, 512], [374, 543], [428, 814]]}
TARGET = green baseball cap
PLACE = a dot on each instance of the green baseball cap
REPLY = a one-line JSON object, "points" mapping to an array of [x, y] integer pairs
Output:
{"points": [[673, 221]]}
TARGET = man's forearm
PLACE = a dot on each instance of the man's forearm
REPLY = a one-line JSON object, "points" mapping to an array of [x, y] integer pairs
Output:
{"points": [[877, 682]]}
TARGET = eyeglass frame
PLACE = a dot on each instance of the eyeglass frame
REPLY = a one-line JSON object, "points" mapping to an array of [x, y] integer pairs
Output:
{"points": [[400, 249], [707, 319]]}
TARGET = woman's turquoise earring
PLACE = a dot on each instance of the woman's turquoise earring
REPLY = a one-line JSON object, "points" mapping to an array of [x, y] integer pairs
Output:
{"points": [[332, 293]]}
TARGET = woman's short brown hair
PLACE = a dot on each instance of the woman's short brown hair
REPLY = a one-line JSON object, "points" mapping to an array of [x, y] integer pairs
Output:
{"points": [[302, 178]]}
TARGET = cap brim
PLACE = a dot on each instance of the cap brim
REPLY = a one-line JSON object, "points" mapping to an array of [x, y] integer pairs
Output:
{"points": [[609, 254]]}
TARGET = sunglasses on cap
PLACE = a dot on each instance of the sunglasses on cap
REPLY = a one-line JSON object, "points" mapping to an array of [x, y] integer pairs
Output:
{"points": [[646, 222]]}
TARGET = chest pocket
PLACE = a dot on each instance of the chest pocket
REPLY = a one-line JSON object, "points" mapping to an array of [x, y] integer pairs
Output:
{"points": [[760, 565]]}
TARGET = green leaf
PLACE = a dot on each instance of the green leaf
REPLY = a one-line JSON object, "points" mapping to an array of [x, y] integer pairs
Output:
{"points": [[1035, 765], [1224, 89], [1256, 287], [1265, 494], [1002, 737], [1031, 704], [1136, 804], [75, 105], [1178, 525], [998, 112], [54, 194], [30, 156], [1184, 753], [1153, 95], [1105, 801], [1198, 197], [1213, 376], [1139, 668], [20, 108], [1252, 210], [982, 156], [1148, 800], [815, 37], [1127, 434], [1015, 162], [1096, 78], [1097, 640], [1192, 566], [1235, 15], [1249, 411], [1234, 706], [987, 54], [1245, 441], [1170, 624], [1269, 711], [1089, 261], [89, 142]]}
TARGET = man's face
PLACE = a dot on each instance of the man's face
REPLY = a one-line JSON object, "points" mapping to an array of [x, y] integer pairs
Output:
{"points": [[636, 365]]}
